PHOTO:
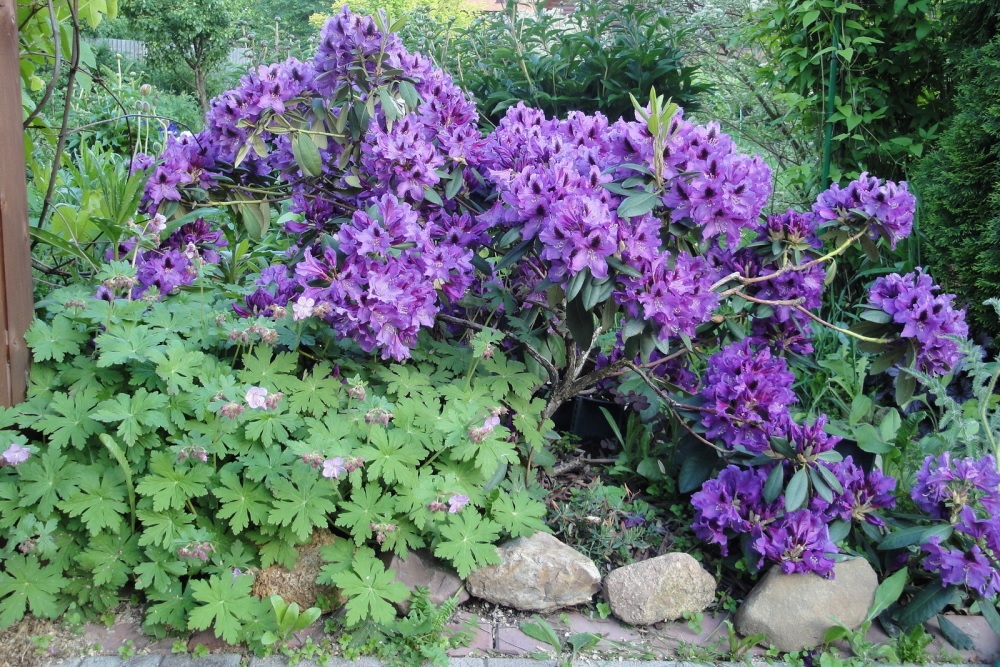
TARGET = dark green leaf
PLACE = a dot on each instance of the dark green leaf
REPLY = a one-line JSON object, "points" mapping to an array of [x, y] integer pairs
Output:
{"points": [[798, 487], [906, 537]]}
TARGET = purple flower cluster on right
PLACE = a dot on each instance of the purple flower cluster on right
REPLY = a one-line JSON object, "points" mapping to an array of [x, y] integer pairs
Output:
{"points": [[965, 492], [928, 319]]}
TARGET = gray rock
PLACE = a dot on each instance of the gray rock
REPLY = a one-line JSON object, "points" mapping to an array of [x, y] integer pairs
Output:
{"points": [[537, 573], [794, 611], [419, 568], [659, 589]]}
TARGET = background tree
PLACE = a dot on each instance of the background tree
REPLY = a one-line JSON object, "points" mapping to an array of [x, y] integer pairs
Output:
{"points": [[891, 87], [959, 183], [193, 37]]}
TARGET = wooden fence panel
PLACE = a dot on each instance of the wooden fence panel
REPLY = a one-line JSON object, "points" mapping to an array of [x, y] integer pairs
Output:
{"points": [[16, 301]]}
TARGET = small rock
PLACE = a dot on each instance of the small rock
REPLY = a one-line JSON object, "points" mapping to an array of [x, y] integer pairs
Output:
{"points": [[659, 589], [420, 568], [537, 573], [794, 611], [299, 585]]}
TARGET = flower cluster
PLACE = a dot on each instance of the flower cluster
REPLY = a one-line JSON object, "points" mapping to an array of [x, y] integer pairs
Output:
{"points": [[746, 392], [734, 505], [785, 243], [965, 492], [174, 262], [887, 208], [383, 284], [927, 318]]}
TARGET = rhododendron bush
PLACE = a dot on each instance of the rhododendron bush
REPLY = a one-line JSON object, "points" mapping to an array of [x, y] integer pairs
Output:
{"points": [[525, 266]]}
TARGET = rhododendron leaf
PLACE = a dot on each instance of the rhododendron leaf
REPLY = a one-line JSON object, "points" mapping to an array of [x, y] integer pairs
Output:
{"points": [[639, 204], [580, 323], [925, 604], [905, 537], [774, 484], [306, 154], [798, 487]]}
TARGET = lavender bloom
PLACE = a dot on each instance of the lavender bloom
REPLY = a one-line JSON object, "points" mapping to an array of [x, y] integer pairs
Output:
{"points": [[800, 542], [748, 394], [971, 568], [14, 455], [256, 398], [927, 318], [887, 207], [943, 487], [457, 502], [334, 467]]}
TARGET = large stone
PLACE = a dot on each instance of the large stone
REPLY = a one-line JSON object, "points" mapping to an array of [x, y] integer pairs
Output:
{"points": [[794, 611], [299, 584], [659, 589], [537, 573], [420, 568]]}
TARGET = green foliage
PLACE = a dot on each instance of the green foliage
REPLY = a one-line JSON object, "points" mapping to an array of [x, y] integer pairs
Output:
{"points": [[590, 60], [141, 478], [421, 637], [289, 620], [566, 651], [192, 34], [958, 186], [607, 524], [892, 88]]}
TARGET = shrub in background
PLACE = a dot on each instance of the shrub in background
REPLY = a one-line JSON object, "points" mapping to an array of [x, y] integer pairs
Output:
{"points": [[590, 59], [958, 186]]}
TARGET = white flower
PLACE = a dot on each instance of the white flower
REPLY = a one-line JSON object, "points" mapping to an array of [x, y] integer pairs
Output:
{"points": [[303, 308], [257, 397]]}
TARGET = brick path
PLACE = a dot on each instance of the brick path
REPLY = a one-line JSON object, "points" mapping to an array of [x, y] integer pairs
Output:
{"points": [[663, 645]]}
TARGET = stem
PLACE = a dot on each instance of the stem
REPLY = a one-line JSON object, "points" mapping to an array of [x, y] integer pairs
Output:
{"points": [[789, 267], [848, 332], [673, 405], [56, 66]]}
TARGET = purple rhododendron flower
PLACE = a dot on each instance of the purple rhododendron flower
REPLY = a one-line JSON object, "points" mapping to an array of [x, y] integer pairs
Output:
{"points": [[944, 486], [888, 207], [971, 568], [800, 542], [747, 394], [928, 319]]}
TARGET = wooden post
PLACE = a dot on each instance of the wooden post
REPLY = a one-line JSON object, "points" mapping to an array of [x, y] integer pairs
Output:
{"points": [[16, 300]]}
